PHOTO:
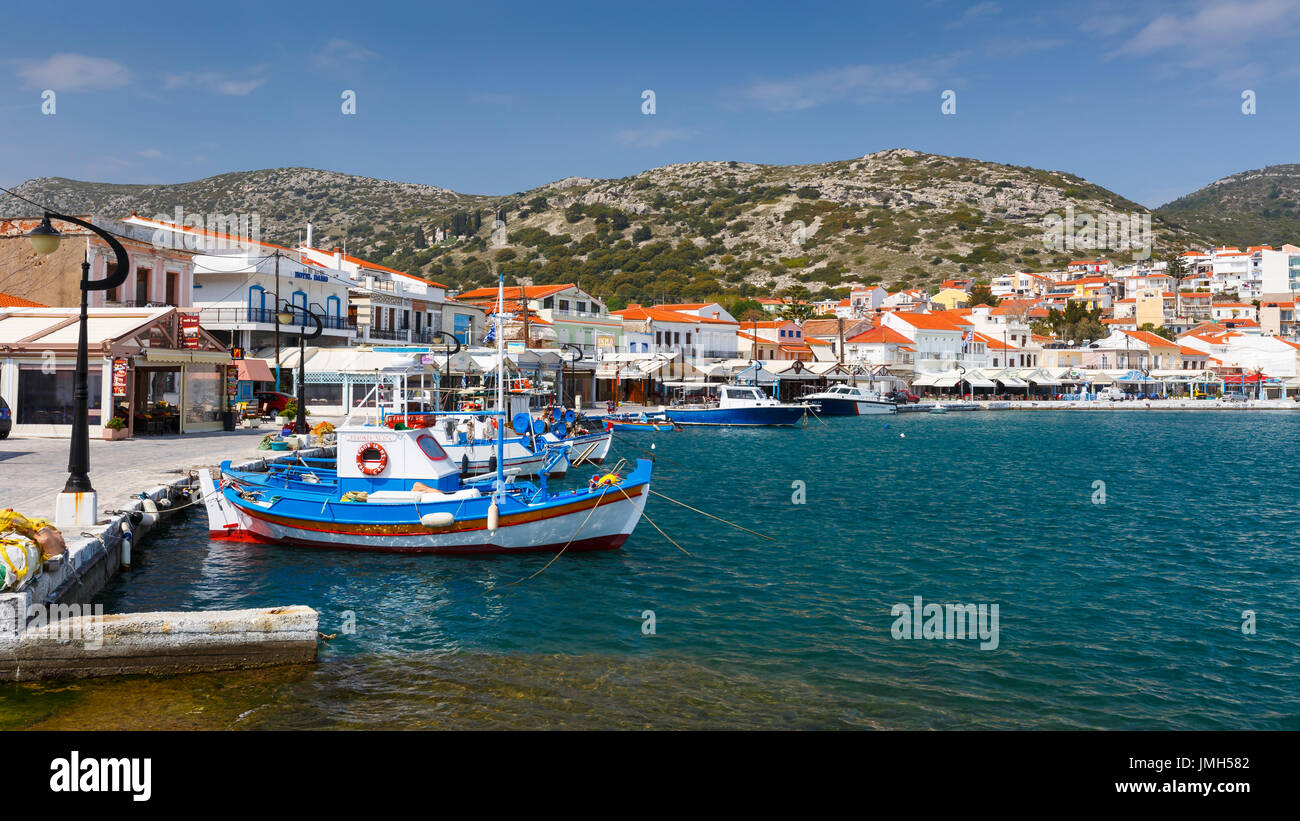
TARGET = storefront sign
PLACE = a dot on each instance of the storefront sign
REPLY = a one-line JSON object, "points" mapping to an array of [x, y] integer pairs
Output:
{"points": [[232, 381], [120, 368], [605, 342], [190, 331]]}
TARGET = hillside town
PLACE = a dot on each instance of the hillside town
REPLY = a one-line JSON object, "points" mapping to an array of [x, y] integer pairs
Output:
{"points": [[211, 320]]}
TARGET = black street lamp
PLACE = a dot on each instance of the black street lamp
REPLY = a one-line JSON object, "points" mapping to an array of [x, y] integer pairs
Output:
{"points": [[45, 240], [286, 315], [446, 372]]}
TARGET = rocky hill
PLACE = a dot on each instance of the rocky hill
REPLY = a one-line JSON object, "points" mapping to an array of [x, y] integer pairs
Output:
{"points": [[683, 232], [1259, 207]]}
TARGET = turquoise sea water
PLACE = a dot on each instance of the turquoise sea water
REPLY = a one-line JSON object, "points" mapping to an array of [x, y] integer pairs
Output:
{"points": [[1126, 614]]}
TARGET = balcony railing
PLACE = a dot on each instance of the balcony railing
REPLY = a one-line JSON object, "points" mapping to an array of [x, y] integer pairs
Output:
{"points": [[235, 316]]}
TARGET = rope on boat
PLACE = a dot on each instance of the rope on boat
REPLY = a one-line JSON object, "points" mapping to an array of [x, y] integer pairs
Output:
{"points": [[815, 416], [557, 555], [711, 516], [655, 526]]}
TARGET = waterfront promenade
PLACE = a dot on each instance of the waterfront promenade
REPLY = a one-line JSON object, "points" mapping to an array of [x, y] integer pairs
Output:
{"points": [[33, 470]]}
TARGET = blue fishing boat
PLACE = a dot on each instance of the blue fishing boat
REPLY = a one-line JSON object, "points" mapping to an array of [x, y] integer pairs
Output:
{"points": [[738, 405], [632, 422], [397, 489]]}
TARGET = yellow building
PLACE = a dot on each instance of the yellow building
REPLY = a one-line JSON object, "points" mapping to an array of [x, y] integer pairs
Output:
{"points": [[1150, 307], [950, 298]]}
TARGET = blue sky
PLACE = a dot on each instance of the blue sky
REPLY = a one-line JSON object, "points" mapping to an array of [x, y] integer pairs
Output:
{"points": [[1141, 97]]}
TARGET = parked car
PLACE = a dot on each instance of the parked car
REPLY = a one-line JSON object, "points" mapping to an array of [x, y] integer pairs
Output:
{"points": [[902, 397], [1235, 396], [6, 420], [272, 401]]}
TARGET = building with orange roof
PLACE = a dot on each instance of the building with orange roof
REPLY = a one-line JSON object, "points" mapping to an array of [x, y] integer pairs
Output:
{"points": [[1132, 350], [575, 316], [11, 301], [1277, 316], [881, 345]]}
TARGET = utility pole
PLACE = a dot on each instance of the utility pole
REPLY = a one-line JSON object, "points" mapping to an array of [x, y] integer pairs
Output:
{"points": [[523, 299], [277, 321]]}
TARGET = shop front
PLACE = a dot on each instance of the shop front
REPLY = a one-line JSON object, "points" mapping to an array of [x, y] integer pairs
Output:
{"points": [[145, 368]]}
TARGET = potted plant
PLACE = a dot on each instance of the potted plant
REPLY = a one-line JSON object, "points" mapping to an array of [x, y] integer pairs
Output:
{"points": [[115, 428]]}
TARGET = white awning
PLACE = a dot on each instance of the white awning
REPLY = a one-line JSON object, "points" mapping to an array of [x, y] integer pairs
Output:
{"points": [[179, 356]]}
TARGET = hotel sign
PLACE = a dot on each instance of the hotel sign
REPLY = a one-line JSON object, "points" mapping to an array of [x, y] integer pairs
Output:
{"points": [[605, 343]]}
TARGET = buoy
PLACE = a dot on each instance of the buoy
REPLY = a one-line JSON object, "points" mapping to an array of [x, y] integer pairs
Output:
{"points": [[126, 547], [902, 436], [493, 513], [442, 519]]}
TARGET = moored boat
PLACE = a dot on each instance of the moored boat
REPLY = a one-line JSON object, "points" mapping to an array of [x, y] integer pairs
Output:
{"points": [[738, 405], [850, 400]]}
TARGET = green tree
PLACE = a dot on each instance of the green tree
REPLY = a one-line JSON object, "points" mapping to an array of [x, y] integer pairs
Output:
{"points": [[982, 294]]}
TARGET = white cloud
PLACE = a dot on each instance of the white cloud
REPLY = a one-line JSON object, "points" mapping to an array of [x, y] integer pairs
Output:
{"points": [[338, 53], [1216, 26], [73, 72], [653, 137], [859, 83], [150, 154], [216, 81]]}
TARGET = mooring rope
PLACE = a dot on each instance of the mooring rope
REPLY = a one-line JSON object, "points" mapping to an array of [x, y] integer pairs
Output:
{"points": [[711, 516], [557, 555]]}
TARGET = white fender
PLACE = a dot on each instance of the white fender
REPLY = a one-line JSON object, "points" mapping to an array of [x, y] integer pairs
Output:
{"points": [[494, 513], [442, 519]]}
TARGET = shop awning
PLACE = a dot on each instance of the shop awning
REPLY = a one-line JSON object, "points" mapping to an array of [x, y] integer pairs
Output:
{"points": [[173, 356], [977, 380], [254, 370]]}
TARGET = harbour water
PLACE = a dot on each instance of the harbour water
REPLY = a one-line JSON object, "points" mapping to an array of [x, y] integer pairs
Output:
{"points": [[1120, 604]]}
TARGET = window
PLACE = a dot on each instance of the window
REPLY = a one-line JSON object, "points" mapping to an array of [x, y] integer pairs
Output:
{"points": [[172, 279], [564, 305], [430, 448], [112, 295], [549, 302], [582, 307], [46, 398], [142, 286]]}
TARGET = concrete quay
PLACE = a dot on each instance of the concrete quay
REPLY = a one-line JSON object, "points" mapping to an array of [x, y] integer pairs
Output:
{"points": [[164, 470], [161, 643]]}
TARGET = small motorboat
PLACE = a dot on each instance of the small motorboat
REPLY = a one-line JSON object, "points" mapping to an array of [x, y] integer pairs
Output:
{"points": [[938, 409], [738, 405], [850, 400], [639, 422]]}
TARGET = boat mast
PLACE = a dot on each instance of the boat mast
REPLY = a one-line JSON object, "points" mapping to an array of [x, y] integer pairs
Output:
{"points": [[501, 384]]}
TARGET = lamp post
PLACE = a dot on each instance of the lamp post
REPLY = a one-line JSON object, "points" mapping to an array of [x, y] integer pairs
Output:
{"points": [[78, 503], [564, 362], [286, 314], [447, 367]]}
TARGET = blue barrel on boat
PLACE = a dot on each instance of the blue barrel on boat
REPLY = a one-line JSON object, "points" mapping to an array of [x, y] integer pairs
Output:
{"points": [[557, 414], [521, 423], [539, 427], [569, 416], [560, 430]]}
